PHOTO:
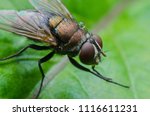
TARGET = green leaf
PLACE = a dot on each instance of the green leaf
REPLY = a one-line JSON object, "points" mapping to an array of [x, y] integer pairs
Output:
{"points": [[126, 44], [127, 61]]}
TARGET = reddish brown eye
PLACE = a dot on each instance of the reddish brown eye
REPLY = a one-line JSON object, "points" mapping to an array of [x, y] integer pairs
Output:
{"points": [[98, 40], [87, 54]]}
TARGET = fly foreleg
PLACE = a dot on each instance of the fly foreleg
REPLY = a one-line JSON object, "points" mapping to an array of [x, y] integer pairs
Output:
{"points": [[96, 73]]}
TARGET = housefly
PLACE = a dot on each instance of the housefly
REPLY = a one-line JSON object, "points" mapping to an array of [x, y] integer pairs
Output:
{"points": [[52, 23]]}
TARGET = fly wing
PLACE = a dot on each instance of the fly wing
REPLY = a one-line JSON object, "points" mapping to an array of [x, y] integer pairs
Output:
{"points": [[51, 6], [31, 24]]}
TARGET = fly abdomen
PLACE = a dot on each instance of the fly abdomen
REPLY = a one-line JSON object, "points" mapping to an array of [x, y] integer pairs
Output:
{"points": [[54, 21], [64, 28]]}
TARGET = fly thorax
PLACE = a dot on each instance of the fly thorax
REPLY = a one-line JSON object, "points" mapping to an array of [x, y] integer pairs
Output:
{"points": [[75, 43], [72, 48], [75, 39]]}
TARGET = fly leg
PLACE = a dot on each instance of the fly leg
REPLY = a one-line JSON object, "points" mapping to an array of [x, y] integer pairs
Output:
{"points": [[32, 46], [93, 68], [111, 81], [40, 62], [96, 73], [76, 64], [35, 47]]}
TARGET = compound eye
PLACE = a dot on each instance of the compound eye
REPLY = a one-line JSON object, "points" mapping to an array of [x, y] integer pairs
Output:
{"points": [[87, 54], [98, 40]]}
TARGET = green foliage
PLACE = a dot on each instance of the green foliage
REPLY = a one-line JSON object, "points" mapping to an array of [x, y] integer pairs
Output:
{"points": [[126, 43]]}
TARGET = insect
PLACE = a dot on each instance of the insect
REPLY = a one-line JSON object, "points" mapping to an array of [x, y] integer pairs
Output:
{"points": [[52, 23]]}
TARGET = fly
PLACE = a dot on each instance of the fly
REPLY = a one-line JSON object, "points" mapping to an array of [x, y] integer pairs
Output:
{"points": [[52, 23]]}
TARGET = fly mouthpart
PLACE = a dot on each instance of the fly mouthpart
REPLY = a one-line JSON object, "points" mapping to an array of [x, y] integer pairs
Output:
{"points": [[103, 54]]}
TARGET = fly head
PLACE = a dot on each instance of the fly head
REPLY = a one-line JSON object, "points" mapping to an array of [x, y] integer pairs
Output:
{"points": [[91, 50]]}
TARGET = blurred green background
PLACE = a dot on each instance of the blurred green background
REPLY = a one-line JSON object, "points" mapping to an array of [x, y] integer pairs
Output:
{"points": [[124, 26]]}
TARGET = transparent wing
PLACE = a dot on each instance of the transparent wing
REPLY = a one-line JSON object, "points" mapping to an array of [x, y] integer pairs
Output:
{"points": [[51, 6], [27, 23]]}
